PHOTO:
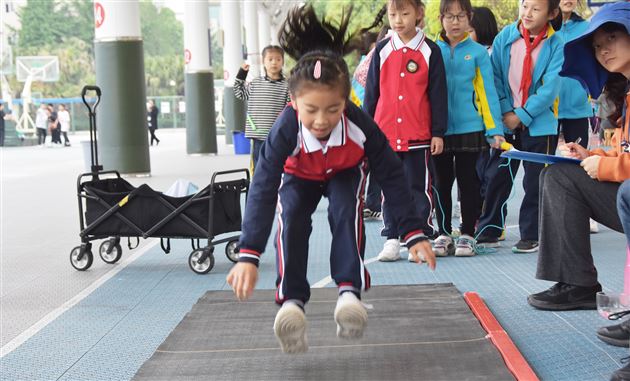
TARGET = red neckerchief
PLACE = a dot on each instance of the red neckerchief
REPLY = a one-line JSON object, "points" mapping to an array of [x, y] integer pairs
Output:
{"points": [[526, 80]]}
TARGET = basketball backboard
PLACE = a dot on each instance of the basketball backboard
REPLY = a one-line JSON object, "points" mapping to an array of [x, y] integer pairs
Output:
{"points": [[41, 68]]}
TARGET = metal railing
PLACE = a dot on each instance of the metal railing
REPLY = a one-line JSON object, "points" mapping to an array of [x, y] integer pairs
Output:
{"points": [[172, 110]]}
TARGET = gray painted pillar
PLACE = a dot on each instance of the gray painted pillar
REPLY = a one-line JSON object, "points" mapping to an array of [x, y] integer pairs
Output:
{"points": [[233, 109], [264, 28], [250, 20], [122, 114], [201, 129]]}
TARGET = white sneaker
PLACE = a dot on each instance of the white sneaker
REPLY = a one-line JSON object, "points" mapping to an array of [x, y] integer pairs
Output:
{"points": [[390, 252], [350, 316], [290, 328], [465, 246], [594, 226], [443, 246]]}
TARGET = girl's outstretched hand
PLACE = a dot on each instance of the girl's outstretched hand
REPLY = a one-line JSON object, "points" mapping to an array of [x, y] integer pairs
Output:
{"points": [[423, 251], [243, 278]]}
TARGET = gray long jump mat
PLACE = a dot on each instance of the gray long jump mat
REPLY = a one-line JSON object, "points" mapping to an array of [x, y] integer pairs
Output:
{"points": [[424, 332]]}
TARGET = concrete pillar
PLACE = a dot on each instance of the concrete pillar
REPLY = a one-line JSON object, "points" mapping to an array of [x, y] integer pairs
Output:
{"points": [[250, 20], [201, 129], [273, 31], [122, 114], [233, 109], [264, 28]]}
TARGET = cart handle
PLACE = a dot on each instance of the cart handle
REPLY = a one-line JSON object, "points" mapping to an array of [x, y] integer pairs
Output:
{"points": [[221, 173], [98, 97]]}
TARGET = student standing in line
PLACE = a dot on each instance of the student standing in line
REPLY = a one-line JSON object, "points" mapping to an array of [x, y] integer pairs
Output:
{"points": [[526, 58], [318, 147], [474, 119], [266, 97], [407, 97], [483, 30]]}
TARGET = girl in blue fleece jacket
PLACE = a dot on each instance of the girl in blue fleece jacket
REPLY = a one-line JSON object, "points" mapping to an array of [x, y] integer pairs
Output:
{"points": [[526, 59], [474, 116]]}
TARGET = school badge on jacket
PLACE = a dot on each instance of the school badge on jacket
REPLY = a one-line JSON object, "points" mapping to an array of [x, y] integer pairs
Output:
{"points": [[412, 66]]}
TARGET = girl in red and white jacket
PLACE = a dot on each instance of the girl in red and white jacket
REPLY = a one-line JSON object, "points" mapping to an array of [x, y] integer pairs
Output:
{"points": [[317, 148], [406, 95]]}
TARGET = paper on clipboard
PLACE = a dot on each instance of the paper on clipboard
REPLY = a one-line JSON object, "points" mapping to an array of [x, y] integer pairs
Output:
{"points": [[538, 157]]}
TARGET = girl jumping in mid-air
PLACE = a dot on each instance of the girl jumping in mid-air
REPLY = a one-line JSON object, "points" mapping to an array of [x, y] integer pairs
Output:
{"points": [[318, 147]]}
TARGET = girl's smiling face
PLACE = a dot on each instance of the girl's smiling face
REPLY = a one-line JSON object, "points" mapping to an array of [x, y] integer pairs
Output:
{"points": [[535, 15]]}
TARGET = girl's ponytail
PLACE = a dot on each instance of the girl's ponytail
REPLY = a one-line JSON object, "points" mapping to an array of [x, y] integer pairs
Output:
{"points": [[313, 42], [302, 32]]}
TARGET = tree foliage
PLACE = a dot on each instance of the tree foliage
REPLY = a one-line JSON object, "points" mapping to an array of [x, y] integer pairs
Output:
{"points": [[162, 33]]}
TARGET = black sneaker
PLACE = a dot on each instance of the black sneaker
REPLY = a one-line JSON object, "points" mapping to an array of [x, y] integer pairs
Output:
{"points": [[622, 374], [565, 297], [487, 241], [525, 246], [617, 335]]}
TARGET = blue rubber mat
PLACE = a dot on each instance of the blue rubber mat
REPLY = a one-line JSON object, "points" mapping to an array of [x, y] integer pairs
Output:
{"points": [[113, 331]]}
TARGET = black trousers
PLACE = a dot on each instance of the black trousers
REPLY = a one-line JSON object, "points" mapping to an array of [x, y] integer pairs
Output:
{"points": [[41, 135], [153, 137], [573, 129], [467, 181], [499, 188], [568, 198]]}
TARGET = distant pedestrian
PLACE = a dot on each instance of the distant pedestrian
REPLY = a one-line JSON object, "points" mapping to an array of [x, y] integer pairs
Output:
{"points": [[2, 116], [41, 123], [152, 120], [53, 125], [64, 122]]}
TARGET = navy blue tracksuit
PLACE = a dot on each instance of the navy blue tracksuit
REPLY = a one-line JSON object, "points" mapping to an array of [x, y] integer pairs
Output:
{"points": [[294, 171]]}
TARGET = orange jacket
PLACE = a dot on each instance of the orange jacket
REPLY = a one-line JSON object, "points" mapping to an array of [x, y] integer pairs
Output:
{"points": [[615, 163]]}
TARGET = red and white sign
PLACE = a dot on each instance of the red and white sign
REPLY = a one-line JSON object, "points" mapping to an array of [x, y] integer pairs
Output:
{"points": [[187, 56], [99, 14]]}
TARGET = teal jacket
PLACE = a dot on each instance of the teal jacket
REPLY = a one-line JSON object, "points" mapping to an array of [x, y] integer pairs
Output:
{"points": [[473, 104], [574, 101], [540, 113]]}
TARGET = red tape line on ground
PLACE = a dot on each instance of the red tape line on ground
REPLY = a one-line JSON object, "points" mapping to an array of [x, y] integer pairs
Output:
{"points": [[513, 358]]}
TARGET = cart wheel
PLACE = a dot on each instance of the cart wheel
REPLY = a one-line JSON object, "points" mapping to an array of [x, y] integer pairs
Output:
{"points": [[112, 257], [231, 251], [84, 263], [201, 266]]}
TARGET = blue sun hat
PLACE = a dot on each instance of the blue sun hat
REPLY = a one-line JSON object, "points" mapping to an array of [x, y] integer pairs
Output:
{"points": [[579, 60]]}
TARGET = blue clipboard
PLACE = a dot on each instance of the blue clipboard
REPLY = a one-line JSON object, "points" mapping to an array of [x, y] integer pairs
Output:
{"points": [[538, 157]]}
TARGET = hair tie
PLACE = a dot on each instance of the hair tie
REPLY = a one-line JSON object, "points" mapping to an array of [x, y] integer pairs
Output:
{"points": [[317, 72]]}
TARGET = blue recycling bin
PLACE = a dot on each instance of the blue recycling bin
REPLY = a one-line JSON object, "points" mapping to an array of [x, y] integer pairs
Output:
{"points": [[241, 143]]}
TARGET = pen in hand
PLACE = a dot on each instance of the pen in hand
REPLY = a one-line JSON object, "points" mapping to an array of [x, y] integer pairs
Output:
{"points": [[577, 141]]}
